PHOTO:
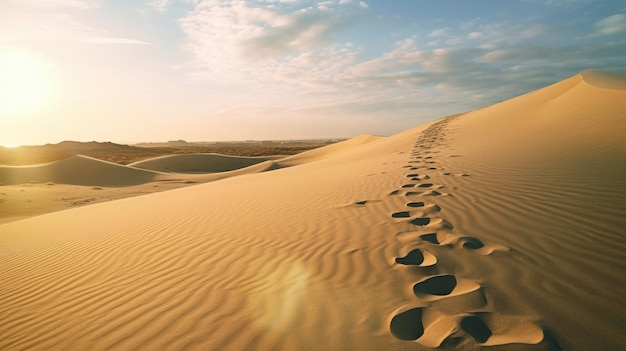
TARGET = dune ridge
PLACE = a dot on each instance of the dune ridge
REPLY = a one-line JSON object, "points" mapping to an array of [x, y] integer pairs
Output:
{"points": [[486, 229]]}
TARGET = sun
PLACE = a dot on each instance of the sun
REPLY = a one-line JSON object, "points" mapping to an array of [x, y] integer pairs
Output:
{"points": [[25, 83]]}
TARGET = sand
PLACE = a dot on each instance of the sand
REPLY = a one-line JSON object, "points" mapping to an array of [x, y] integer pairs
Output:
{"points": [[26, 191], [500, 228]]}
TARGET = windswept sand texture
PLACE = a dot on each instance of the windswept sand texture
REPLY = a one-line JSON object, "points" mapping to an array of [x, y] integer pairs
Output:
{"points": [[501, 228]]}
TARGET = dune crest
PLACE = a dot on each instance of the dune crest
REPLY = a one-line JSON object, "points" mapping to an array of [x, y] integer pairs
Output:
{"points": [[604, 80], [327, 151]]}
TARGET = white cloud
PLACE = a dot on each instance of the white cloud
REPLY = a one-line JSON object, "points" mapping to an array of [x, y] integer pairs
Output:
{"points": [[614, 24], [475, 35], [440, 32], [283, 57], [238, 32], [159, 5]]}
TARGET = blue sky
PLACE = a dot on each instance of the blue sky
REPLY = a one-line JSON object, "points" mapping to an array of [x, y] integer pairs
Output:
{"points": [[130, 71]]}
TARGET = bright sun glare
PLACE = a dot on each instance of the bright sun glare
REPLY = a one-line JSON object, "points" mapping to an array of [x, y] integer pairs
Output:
{"points": [[25, 84]]}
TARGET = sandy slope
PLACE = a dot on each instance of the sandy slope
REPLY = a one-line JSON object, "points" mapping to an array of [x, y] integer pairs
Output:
{"points": [[26, 191], [501, 227]]}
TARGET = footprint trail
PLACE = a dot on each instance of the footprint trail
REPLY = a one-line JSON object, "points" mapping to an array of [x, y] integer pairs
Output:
{"points": [[427, 322]]}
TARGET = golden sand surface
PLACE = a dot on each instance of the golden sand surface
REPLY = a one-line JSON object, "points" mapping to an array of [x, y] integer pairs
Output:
{"points": [[501, 228]]}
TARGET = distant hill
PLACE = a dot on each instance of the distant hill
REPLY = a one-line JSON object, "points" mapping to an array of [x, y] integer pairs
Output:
{"points": [[25, 155], [125, 154]]}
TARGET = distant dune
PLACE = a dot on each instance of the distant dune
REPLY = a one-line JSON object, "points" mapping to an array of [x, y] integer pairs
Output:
{"points": [[500, 228], [77, 170], [324, 152], [29, 155], [197, 163]]}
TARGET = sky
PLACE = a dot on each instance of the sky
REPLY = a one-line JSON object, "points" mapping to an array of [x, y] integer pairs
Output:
{"points": [[207, 70]]}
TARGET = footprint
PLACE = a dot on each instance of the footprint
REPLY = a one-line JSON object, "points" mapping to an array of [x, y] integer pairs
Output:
{"points": [[425, 185], [430, 238], [407, 325], [476, 328], [434, 222], [444, 286], [432, 193], [422, 221], [416, 204], [408, 185], [439, 285], [402, 214], [417, 257], [415, 237], [472, 243]]}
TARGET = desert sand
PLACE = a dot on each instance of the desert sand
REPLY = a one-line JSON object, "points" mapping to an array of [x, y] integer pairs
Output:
{"points": [[500, 228]]}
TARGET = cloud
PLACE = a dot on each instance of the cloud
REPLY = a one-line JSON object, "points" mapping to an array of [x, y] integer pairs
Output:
{"points": [[159, 5], [440, 32], [611, 25], [284, 56], [225, 34]]}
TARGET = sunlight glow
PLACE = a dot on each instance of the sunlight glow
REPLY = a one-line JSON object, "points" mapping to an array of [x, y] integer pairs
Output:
{"points": [[25, 84], [278, 293]]}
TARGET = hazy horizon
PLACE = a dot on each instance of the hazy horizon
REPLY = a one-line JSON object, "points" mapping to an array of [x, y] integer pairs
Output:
{"points": [[218, 70]]}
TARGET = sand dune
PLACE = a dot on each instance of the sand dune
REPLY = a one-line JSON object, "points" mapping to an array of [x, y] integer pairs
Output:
{"points": [[27, 191], [500, 228], [326, 151], [197, 163], [77, 170]]}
